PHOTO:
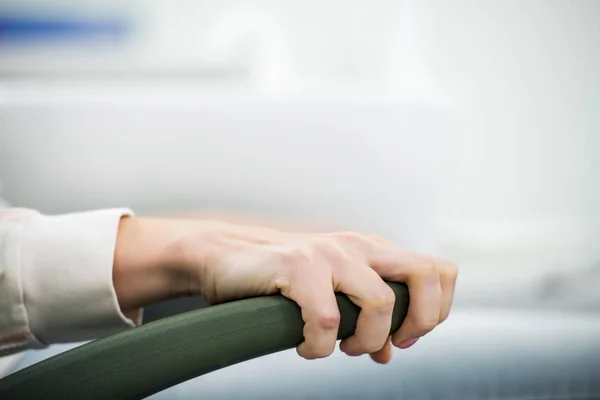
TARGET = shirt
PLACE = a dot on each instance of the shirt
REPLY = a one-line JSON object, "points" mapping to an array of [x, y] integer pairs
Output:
{"points": [[56, 278]]}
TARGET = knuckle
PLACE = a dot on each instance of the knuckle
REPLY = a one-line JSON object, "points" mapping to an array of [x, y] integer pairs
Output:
{"points": [[427, 269], [328, 321], [383, 299], [450, 270], [423, 326], [330, 249], [350, 236], [379, 240], [325, 244], [295, 256]]}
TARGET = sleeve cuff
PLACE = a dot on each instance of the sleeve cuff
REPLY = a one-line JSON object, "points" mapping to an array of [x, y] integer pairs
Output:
{"points": [[67, 263]]}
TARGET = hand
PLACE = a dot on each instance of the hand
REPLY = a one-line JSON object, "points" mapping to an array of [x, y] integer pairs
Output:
{"points": [[157, 259], [242, 261]]}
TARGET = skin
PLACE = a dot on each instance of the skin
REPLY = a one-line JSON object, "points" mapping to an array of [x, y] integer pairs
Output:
{"points": [[163, 258]]}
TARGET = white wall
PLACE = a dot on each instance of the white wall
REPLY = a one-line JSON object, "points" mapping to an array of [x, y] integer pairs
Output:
{"points": [[467, 126]]}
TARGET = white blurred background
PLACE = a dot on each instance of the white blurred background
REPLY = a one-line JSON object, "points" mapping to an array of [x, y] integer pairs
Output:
{"points": [[467, 129]]}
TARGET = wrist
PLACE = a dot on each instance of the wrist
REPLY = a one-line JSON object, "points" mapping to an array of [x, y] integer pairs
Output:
{"points": [[149, 264]]}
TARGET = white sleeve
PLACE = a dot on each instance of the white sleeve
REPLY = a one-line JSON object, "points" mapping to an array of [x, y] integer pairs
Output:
{"points": [[56, 278]]}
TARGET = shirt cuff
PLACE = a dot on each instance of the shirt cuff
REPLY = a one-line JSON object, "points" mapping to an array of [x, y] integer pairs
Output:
{"points": [[66, 264]]}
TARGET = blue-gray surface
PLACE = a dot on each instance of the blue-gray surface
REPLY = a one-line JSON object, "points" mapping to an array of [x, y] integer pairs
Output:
{"points": [[476, 354]]}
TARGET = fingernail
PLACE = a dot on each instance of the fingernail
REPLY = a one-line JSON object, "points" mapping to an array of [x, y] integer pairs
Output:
{"points": [[353, 354], [405, 344]]}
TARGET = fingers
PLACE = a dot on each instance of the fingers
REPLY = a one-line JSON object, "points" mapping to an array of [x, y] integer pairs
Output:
{"points": [[431, 285], [376, 300], [448, 276], [425, 306], [355, 265], [320, 313]]}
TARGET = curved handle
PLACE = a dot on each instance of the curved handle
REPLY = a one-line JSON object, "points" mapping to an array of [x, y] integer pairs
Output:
{"points": [[140, 362]]}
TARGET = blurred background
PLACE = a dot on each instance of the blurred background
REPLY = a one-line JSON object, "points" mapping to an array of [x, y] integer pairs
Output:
{"points": [[465, 129]]}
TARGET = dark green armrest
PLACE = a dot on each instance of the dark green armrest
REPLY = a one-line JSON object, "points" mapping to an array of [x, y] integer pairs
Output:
{"points": [[140, 362]]}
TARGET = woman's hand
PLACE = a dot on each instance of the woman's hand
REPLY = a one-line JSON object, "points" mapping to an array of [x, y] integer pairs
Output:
{"points": [[224, 262]]}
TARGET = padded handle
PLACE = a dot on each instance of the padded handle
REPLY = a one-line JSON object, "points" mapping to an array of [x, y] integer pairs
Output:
{"points": [[140, 362]]}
